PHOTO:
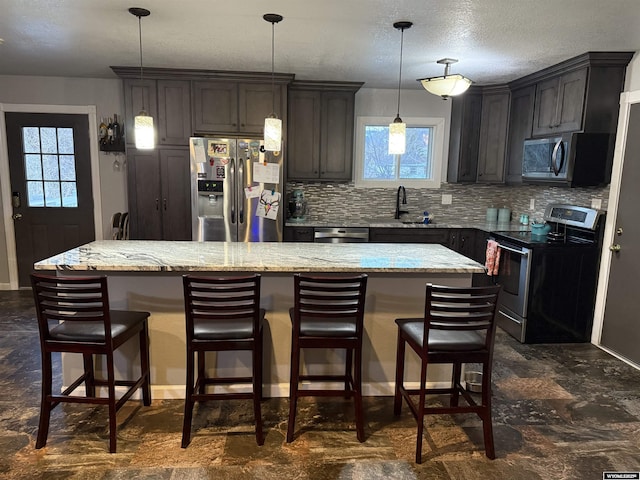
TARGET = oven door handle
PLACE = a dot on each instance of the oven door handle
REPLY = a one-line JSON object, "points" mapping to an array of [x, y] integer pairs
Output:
{"points": [[519, 252]]}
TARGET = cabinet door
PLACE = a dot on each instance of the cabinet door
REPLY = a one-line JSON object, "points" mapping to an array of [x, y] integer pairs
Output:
{"points": [[138, 95], [560, 103], [336, 135], [215, 107], [572, 90], [465, 241], [298, 234], [176, 190], [303, 143], [493, 137], [174, 112], [144, 188], [256, 102], [520, 125], [464, 137]]}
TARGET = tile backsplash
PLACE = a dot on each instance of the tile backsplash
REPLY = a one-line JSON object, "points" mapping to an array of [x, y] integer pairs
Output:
{"points": [[341, 202]]}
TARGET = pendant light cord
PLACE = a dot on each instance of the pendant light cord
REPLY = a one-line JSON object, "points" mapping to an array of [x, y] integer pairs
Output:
{"points": [[273, 89], [140, 38], [400, 74]]}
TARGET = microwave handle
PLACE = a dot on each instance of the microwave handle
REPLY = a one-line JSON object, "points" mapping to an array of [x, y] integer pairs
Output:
{"points": [[554, 157]]}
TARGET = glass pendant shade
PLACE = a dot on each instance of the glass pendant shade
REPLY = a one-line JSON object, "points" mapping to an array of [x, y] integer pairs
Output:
{"points": [[397, 137], [272, 134], [446, 86], [143, 131]]}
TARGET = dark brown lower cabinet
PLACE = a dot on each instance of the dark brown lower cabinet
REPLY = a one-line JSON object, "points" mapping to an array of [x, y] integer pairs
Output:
{"points": [[159, 194], [409, 235], [298, 234]]}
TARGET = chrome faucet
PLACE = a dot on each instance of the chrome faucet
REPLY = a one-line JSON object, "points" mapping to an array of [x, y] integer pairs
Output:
{"points": [[401, 191]]}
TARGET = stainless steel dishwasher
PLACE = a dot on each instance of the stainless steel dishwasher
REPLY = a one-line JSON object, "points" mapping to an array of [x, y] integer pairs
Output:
{"points": [[341, 235]]}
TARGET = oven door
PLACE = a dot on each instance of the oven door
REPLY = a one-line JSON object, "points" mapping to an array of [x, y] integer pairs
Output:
{"points": [[513, 275]]}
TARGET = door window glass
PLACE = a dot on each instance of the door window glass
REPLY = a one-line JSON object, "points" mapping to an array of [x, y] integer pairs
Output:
{"points": [[50, 167]]}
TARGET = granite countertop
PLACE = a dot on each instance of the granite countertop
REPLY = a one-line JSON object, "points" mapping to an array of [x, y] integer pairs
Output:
{"points": [[166, 256], [392, 223]]}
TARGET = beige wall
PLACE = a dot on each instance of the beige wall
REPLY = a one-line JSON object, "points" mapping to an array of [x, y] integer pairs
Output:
{"points": [[107, 97]]}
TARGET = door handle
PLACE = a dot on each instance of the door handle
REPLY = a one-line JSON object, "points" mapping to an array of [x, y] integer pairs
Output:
{"points": [[619, 231], [17, 216], [164, 203], [241, 190], [615, 247]]}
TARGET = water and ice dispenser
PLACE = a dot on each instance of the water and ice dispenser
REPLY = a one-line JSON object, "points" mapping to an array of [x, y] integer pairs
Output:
{"points": [[210, 198]]}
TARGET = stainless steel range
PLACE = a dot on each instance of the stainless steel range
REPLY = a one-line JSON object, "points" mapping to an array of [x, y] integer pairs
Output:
{"points": [[549, 281]]}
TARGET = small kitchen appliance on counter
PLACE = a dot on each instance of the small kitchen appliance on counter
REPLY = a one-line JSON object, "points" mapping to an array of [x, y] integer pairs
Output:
{"points": [[549, 281], [297, 206]]}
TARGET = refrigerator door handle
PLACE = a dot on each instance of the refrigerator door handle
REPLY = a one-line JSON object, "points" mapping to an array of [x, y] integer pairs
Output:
{"points": [[240, 192], [232, 171]]}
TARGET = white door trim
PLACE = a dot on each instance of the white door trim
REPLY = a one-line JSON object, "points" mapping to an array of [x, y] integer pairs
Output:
{"points": [[626, 100], [5, 184]]}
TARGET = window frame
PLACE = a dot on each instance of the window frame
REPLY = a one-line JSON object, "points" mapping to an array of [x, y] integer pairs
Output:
{"points": [[437, 160]]}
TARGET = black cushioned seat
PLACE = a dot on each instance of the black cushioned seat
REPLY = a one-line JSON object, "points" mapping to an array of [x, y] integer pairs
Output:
{"points": [[328, 314], [459, 328], [222, 314], [74, 317]]}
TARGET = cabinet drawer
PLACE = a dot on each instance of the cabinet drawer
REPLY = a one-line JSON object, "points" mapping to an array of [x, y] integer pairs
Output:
{"points": [[409, 235]]}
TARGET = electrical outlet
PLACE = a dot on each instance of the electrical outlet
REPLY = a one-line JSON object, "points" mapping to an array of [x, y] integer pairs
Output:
{"points": [[532, 204], [447, 199], [596, 203]]}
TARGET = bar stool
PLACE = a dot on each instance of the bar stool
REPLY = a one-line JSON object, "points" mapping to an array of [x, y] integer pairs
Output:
{"points": [[74, 317], [328, 313], [459, 327], [222, 314]]}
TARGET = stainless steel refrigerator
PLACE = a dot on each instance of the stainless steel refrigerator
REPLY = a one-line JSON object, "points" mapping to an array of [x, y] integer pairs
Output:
{"points": [[236, 190]]}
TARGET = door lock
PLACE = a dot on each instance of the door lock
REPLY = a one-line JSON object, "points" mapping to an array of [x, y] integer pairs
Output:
{"points": [[17, 216], [615, 247], [619, 231]]}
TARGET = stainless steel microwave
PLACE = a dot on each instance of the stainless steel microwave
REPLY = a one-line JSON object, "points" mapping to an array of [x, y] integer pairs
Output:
{"points": [[573, 159]]}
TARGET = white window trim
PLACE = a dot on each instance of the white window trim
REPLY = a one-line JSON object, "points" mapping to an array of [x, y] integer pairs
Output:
{"points": [[437, 123]]}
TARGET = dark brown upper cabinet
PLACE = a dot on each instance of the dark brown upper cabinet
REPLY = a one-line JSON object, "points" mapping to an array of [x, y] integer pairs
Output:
{"points": [[320, 130]]}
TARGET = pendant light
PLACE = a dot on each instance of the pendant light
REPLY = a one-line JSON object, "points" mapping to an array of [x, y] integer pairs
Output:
{"points": [[143, 123], [398, 129], [272, 124], [447, 85]]}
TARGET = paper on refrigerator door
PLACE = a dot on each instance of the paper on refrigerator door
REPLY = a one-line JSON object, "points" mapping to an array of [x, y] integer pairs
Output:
{"points": [[252, 192], [266, 172], [198, 151], [269, 204]]}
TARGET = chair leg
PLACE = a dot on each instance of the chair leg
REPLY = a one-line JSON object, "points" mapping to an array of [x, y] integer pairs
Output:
{"points": [[455, 380], [358, 394], [397, 400], [348, 370], [111, 387], [89, 376], [293, 388], [45, 404], [201, 374], [420, 419], [188, 400], [487, 424], [144, 365], [257, 387]]}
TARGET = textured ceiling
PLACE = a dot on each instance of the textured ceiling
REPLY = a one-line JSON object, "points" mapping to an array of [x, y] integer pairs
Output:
{"points": [[351, 40]]}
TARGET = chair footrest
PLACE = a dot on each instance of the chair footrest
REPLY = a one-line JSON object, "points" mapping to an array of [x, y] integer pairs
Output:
{"points": [[203, 397], [326, 393], [223, 380]]}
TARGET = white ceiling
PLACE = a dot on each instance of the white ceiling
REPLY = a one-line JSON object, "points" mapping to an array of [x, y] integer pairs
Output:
{"points": [[350, 40]]}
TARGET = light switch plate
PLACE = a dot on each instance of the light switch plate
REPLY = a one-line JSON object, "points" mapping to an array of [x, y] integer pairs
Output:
{"points": [[596, 203], [532, 204], [447, 199]]}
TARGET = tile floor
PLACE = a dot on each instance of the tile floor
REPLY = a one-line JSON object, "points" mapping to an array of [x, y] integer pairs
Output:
{"points": [[560, 412]]}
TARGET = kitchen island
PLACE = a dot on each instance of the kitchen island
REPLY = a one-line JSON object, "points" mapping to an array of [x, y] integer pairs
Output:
{"points": [[146, 275]]}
